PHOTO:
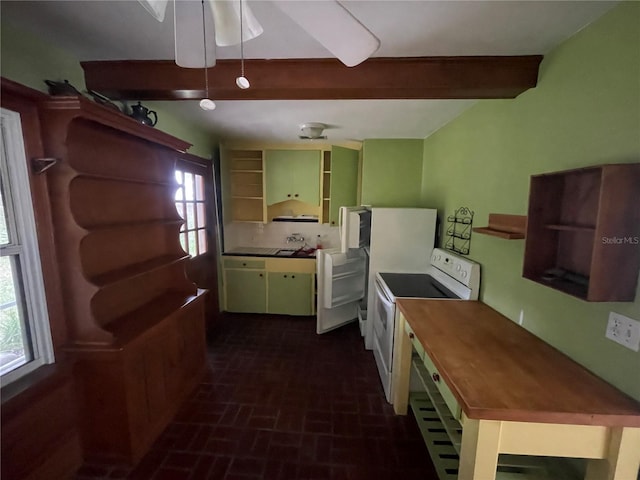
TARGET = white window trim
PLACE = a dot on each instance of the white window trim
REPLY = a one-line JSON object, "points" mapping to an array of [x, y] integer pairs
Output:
{"points": [[24, 221]]}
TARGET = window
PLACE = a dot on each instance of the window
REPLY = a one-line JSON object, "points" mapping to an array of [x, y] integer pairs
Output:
{"points": [[25, 337], [190, 202]]}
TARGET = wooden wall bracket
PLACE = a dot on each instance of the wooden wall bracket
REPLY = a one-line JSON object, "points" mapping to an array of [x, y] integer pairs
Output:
{"points": [[41, 165]]}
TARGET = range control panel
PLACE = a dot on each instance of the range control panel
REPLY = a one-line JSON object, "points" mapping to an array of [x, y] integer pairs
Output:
{"points": [[461, 269]]}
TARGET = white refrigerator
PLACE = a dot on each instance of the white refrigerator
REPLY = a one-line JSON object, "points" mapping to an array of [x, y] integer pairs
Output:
{"points": [[401, 240]]}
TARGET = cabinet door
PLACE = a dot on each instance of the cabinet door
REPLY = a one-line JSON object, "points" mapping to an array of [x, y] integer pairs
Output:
{"points": [[306, 176], [246, 291], [344, 181], [279, 176], [290, 293], [292, 175]]}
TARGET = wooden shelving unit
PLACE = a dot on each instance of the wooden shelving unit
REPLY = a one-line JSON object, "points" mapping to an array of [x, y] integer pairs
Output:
{"points": [[247, 186], [326, 186], [583, 232], [509, 227], [136, 323]]}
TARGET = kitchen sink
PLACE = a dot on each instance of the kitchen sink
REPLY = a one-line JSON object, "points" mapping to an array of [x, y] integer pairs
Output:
{"points": [[299, 252], [286, 252]]}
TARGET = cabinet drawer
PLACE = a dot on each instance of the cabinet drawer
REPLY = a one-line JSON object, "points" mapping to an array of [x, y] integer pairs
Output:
{"points": [[414, 340], [291, 265], [243, 263], [447, 395]]}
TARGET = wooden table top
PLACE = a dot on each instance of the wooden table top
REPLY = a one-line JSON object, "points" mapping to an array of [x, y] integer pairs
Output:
{"points": [[499, 371]]}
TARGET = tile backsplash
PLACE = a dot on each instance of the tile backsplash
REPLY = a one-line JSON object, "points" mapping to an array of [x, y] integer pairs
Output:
{"points": [[274, 234]]}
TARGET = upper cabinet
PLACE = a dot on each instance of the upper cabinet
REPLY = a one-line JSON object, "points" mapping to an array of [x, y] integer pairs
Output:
{"points": [[259, 185], [292, 175], [583, 232]]}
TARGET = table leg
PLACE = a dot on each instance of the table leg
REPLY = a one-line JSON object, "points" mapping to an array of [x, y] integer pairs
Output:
{"points": [[623, 457], [479, 450], [401, 368]]}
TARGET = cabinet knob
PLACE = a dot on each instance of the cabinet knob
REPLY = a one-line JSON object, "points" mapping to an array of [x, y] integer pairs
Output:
{"points": [[296, 195], [435, 377], [288, 194], [293, 276], [411, 335], [285, 276], [244, 264], [260, 274], [333, 222]]}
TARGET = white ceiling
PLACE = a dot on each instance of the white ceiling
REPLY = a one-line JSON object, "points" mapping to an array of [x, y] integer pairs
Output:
{"points": [[117, 30]]}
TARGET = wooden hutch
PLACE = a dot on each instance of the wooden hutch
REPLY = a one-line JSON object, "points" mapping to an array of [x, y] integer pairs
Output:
{"points": [[136, 323]]}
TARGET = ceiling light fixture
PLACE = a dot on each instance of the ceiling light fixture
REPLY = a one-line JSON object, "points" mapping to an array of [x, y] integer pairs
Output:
{"points": [[206, 103], [312, 131], [242, 81]]}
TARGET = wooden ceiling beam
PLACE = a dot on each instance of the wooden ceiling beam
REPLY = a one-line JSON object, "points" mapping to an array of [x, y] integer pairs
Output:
{"points": [[319, 79]]}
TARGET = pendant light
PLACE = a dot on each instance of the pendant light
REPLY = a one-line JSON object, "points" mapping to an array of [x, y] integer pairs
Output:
{"points": [[242, 81], [206, 103]]}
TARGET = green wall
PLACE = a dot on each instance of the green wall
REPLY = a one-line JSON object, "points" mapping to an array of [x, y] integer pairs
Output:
{"points": [[29, 61], [584, 111], [391, 172]]}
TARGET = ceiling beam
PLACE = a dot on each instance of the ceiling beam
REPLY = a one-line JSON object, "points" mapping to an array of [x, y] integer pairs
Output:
{"points": [[319, 79]]}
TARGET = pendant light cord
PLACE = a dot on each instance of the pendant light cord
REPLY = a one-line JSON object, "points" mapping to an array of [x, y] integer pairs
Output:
{"points": [[241, 43], [204, 44]]}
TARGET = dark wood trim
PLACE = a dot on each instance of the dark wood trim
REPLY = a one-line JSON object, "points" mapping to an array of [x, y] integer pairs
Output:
{"points": [[15, 89], [203, 269], [319, 79], [25, 100], [39, 427], [110, 118], [193, 163]]}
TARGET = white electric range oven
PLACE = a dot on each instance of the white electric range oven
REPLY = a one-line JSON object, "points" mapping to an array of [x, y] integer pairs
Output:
{"points": [[449, 277]]}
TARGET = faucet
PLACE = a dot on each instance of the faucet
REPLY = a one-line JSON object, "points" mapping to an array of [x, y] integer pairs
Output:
{"points": [[295, 237]]}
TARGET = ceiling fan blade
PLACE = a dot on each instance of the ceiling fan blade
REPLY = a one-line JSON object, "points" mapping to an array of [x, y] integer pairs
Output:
{"points": [[190, 51], [157, 8], [334, 27], [226, 15]]}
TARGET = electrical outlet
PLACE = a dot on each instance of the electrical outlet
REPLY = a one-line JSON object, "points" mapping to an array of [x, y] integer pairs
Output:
{"points": [[624, 330]]}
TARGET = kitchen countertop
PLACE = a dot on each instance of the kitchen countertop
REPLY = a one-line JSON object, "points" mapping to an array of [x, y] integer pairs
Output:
{"points": [[269, 252], [497, 370]]}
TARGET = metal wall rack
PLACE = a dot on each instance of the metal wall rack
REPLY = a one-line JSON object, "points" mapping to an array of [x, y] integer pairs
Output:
{"points": [[459, 231]]}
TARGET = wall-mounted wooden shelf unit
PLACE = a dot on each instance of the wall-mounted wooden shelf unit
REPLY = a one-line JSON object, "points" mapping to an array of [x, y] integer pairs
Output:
{"points": [[326, 186], [583, 232], [247, 186], [509, 227]]}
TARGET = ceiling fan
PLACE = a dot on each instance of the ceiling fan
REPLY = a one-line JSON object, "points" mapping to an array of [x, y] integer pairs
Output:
{"points": [[347, 39]]}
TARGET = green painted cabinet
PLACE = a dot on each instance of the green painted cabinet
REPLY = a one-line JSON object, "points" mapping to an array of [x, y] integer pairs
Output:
{"points": [[246, 290], [292, 175], [290, 293], [344, 181]]}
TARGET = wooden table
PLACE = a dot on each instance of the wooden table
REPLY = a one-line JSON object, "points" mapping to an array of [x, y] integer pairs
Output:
{"points": [[518, 394]]}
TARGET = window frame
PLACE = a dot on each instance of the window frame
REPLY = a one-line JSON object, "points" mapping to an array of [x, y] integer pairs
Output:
{"points": [[21, 217], [187, 163]]}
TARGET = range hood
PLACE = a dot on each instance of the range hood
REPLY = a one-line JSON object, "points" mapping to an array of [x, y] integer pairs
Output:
{"points": [[296, 218]]}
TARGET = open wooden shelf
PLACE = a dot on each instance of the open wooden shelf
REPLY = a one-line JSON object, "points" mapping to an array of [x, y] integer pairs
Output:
{"points": [[129, 327], [582, 232], [136, 270], [247, 185], [509, 227], [571, 228]]}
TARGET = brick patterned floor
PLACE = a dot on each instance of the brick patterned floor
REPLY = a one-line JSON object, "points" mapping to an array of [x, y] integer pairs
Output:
{"points": [[282, 403]]}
